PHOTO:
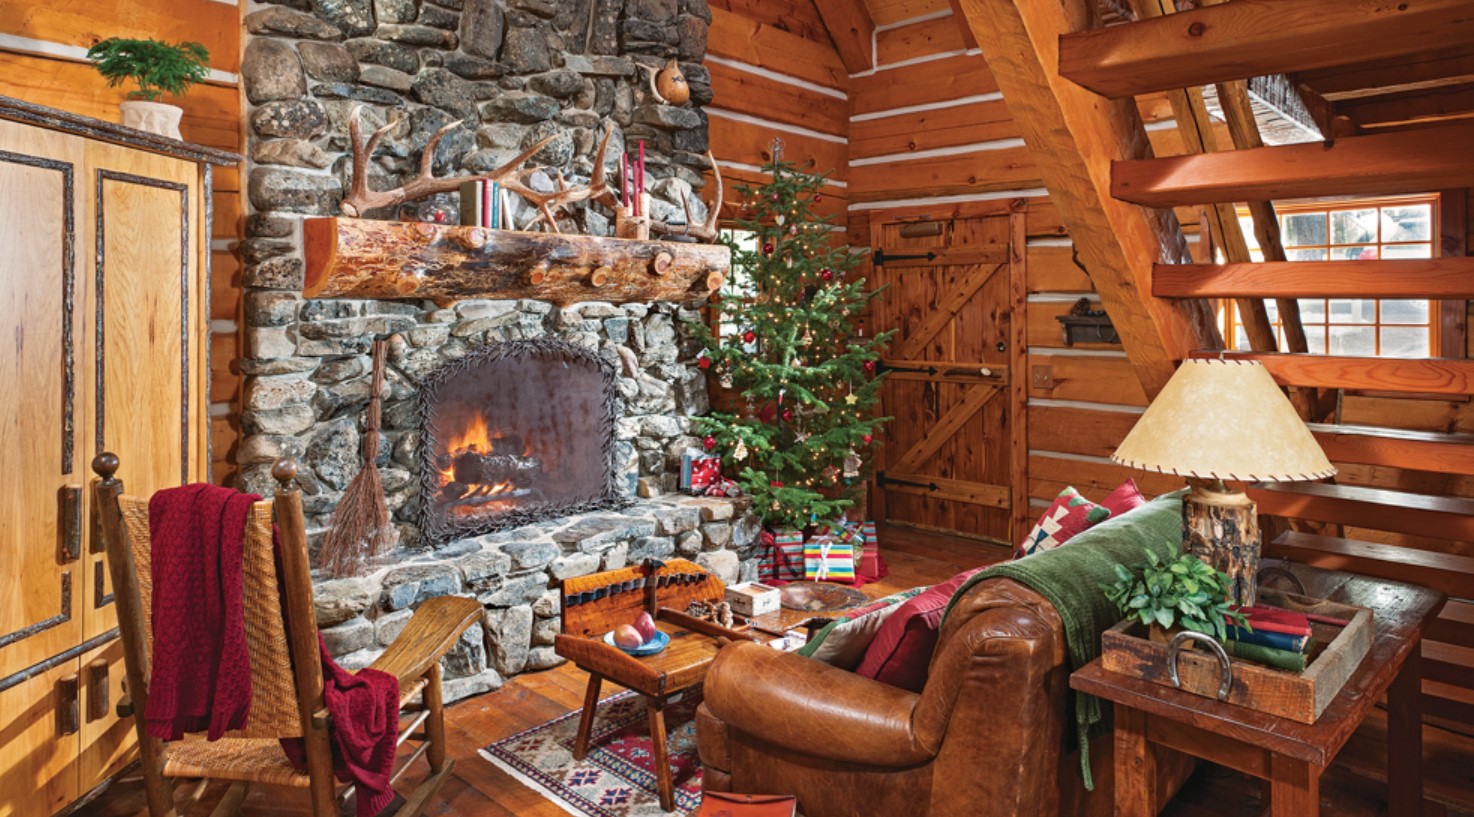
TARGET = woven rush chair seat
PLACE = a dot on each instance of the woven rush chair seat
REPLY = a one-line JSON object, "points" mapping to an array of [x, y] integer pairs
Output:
{"points": [[286, 672]]}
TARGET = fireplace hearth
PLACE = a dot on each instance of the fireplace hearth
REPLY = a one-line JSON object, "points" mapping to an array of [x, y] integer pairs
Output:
{"points": [[516, 432]]}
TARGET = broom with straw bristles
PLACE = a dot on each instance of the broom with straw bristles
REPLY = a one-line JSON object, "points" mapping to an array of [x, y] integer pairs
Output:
{"points": [[360, 528]]}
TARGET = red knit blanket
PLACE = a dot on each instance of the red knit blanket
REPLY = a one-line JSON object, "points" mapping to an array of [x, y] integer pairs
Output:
{"points": [[201, 679]]}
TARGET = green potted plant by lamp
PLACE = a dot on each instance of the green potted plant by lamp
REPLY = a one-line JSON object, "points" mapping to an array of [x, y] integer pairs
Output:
{"points": [[1185, 593], [157, 68]]}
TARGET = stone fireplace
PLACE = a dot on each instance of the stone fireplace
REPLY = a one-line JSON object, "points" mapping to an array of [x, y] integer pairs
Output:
{"points": [[512, 72], [514, 433]]}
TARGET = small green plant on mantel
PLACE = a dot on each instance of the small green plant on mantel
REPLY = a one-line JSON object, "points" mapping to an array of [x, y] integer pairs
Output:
{"points": [[1185, 592], [157, 67]]}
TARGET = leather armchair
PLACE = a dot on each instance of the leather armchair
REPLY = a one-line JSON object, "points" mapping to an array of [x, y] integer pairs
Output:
{"points": [[986, 736]]}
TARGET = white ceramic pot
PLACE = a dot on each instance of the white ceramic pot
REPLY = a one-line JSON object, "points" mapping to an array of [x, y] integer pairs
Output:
{"points": [[153, 117]]}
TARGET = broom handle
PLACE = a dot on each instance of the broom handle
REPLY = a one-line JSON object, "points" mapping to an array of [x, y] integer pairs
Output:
{"points": [[376, 391]]}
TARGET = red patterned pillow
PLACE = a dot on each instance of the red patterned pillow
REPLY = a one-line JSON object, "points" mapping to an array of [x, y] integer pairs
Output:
{"points": [[1126, 497], [1069, 514], [900, 654]]}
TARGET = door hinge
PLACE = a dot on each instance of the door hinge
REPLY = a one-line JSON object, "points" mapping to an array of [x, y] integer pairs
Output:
{"points": [[880, 256]]}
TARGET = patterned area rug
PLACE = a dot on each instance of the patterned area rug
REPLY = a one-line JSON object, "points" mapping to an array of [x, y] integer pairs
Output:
{"points": [[616, 778]]}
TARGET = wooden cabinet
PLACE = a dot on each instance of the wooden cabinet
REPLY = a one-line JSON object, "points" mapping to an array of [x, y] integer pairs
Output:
{"points": [[104, 245]]}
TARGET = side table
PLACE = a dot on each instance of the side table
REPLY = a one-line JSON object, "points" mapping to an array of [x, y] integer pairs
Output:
{"points": [[1288, 754]]}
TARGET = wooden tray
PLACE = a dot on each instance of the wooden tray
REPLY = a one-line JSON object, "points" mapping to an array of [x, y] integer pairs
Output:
{"points": [[1301, 696]]}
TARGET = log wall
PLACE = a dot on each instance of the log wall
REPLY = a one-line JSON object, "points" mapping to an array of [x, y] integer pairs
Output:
{"points": [[42, 48]]}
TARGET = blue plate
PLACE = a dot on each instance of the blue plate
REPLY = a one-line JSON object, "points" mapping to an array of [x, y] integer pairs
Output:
{"points": [[650, 647]]}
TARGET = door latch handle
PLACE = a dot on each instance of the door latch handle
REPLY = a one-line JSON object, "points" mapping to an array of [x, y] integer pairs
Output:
{"points": [[69, 512], [68, 719], [97, 690]]}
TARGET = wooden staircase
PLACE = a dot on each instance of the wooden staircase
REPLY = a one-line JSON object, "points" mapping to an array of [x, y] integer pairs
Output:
{"points": [[1430, 539]]}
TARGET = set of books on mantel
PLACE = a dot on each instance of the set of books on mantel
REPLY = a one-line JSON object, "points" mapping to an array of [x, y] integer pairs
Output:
{"points": [[1279, 638], [486, 204]]}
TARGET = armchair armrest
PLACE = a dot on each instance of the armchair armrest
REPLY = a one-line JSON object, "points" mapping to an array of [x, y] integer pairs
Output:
{"points": [[431, 632], [809, 707]]}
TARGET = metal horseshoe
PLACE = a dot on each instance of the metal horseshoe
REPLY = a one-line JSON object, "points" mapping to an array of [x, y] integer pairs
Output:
{"points": [[1225, 668]]}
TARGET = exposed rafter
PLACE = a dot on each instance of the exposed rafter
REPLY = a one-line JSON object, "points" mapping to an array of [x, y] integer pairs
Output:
{"points": [[1405, 162], [1075, 136], [1249, 38], [852, 30], [1436, 278]]}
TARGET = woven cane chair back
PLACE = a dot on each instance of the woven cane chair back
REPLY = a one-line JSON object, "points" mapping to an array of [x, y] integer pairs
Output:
{"points": [[274, 696]]}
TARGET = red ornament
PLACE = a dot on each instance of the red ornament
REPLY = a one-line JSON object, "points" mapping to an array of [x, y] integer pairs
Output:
{"points": [[749, 336], [788, 415], [827, 274], [767, 248], [703, 362], [818, 197], [870, 366], [710, 442], [776, 484], [867, 438]]}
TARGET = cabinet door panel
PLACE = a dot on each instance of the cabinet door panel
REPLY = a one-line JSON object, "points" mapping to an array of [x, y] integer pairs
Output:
{"points": [[41, 399], [107, 740], [149, 339], [38, 768]]}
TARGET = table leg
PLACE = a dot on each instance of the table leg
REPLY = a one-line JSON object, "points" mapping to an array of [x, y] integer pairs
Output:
{"points": [[1136, 767], [1405, 737], [586, 722], [656, 707], [1294, 788]]}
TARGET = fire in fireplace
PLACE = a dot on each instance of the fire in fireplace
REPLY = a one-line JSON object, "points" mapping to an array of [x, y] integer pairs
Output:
{"points": [[515, 432]]}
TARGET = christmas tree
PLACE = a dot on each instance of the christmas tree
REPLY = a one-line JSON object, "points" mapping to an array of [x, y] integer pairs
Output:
{"points": [[798, 354]]}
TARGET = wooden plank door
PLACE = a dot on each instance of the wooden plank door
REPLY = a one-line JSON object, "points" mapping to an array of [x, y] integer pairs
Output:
{"points": [[948, 460]]}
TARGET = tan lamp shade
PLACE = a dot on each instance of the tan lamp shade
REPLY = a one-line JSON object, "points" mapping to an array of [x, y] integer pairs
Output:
{"points": [[1224, 419]]}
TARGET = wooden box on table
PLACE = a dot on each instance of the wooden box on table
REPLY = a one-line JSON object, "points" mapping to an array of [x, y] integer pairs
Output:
{"points": [[1300, 696]]}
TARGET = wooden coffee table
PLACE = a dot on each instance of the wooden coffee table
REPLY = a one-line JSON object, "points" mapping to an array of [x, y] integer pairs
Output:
{"points": [[1288, 754]]}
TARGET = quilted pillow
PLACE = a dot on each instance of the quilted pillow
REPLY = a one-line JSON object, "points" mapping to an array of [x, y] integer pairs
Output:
{"points": [[1126, 497], [1069, 514], [842, 643], [900, 654]]}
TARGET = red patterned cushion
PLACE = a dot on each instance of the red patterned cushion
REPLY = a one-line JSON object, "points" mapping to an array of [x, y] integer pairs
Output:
{"points": [[1069, 514], [1125, 498], [900, 654]]}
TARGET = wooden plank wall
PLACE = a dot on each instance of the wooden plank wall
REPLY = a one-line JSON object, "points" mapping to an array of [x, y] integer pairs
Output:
{"points": [[42, 48], [774, 74]]}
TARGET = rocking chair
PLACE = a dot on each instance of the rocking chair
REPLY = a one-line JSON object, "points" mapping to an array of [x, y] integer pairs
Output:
{"points": [[286, 672]]}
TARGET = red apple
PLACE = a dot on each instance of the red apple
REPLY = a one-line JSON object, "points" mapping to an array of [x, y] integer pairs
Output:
{"points": [[627, 637], [646, 627]]}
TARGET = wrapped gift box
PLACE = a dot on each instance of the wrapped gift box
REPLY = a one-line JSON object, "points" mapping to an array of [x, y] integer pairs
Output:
{"points": [[699, 472], [783, 556], [828, 559]]}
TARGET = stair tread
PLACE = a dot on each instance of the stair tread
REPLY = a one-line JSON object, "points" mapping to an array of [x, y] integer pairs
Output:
{"points": [[1438, 517], [1403, 500], [1402, 434], [1402, 556]]}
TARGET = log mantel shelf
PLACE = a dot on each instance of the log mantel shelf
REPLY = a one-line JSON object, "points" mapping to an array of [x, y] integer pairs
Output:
{"points": [[359, 258]]}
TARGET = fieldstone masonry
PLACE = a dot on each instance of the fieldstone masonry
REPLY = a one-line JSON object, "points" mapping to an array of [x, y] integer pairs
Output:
{"points": [[512, 72]]}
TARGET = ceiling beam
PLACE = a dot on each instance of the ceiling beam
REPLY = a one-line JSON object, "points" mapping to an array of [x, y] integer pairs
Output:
{"points": [[852, 31], [1449, 67], [1249, 38], [1437, 278], [1074, 137], [1413, 161], [1428, 105]]}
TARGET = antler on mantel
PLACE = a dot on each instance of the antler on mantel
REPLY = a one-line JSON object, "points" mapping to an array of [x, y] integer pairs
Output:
{"points": [[549, 203], [705, 231], [361, 199]]}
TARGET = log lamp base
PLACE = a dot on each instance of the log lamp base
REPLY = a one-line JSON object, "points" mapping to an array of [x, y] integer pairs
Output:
{"points": [[1221, 527]]}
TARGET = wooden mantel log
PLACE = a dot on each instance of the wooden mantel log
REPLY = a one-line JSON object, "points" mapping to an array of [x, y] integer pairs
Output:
{"points": [[358, 258]]}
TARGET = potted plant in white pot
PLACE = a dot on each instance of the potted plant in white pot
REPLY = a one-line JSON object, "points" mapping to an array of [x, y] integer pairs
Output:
{"points": [[158, 68]]}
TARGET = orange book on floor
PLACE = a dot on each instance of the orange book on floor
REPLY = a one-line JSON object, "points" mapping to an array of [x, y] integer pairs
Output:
{"points": [[723, 804]]}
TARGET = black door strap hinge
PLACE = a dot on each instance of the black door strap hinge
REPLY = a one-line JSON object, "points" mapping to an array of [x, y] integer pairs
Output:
{"points": [[886, 480], [880, 256]]}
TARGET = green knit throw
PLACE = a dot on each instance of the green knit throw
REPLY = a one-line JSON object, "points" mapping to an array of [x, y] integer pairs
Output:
{"points": [[1070, 578]]}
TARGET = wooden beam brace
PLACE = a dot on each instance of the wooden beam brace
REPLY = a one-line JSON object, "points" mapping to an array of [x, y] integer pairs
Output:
{"points": [[1405, 107], [852, 30], [1430, 70], [1448, 278], [1074, 137], [1410, 375], [1405, 162], [1253, 37]]}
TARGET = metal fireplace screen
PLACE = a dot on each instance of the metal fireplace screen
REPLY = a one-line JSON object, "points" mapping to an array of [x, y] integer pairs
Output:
{"points": [[516, 432]]}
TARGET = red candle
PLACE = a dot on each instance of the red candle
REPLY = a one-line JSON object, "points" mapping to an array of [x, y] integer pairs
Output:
{"points": [[642, 175]]}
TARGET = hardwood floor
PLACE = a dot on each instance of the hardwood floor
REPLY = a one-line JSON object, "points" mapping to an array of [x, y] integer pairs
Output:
{"points": [[915, 557]]}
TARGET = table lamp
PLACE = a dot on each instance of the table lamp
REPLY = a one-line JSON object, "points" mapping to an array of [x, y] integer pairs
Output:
{"points": [[1216, 422]]}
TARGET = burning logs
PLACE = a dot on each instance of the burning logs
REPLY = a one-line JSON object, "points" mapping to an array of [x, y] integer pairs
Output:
{"points": [[475, 474], [353, 258]]}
